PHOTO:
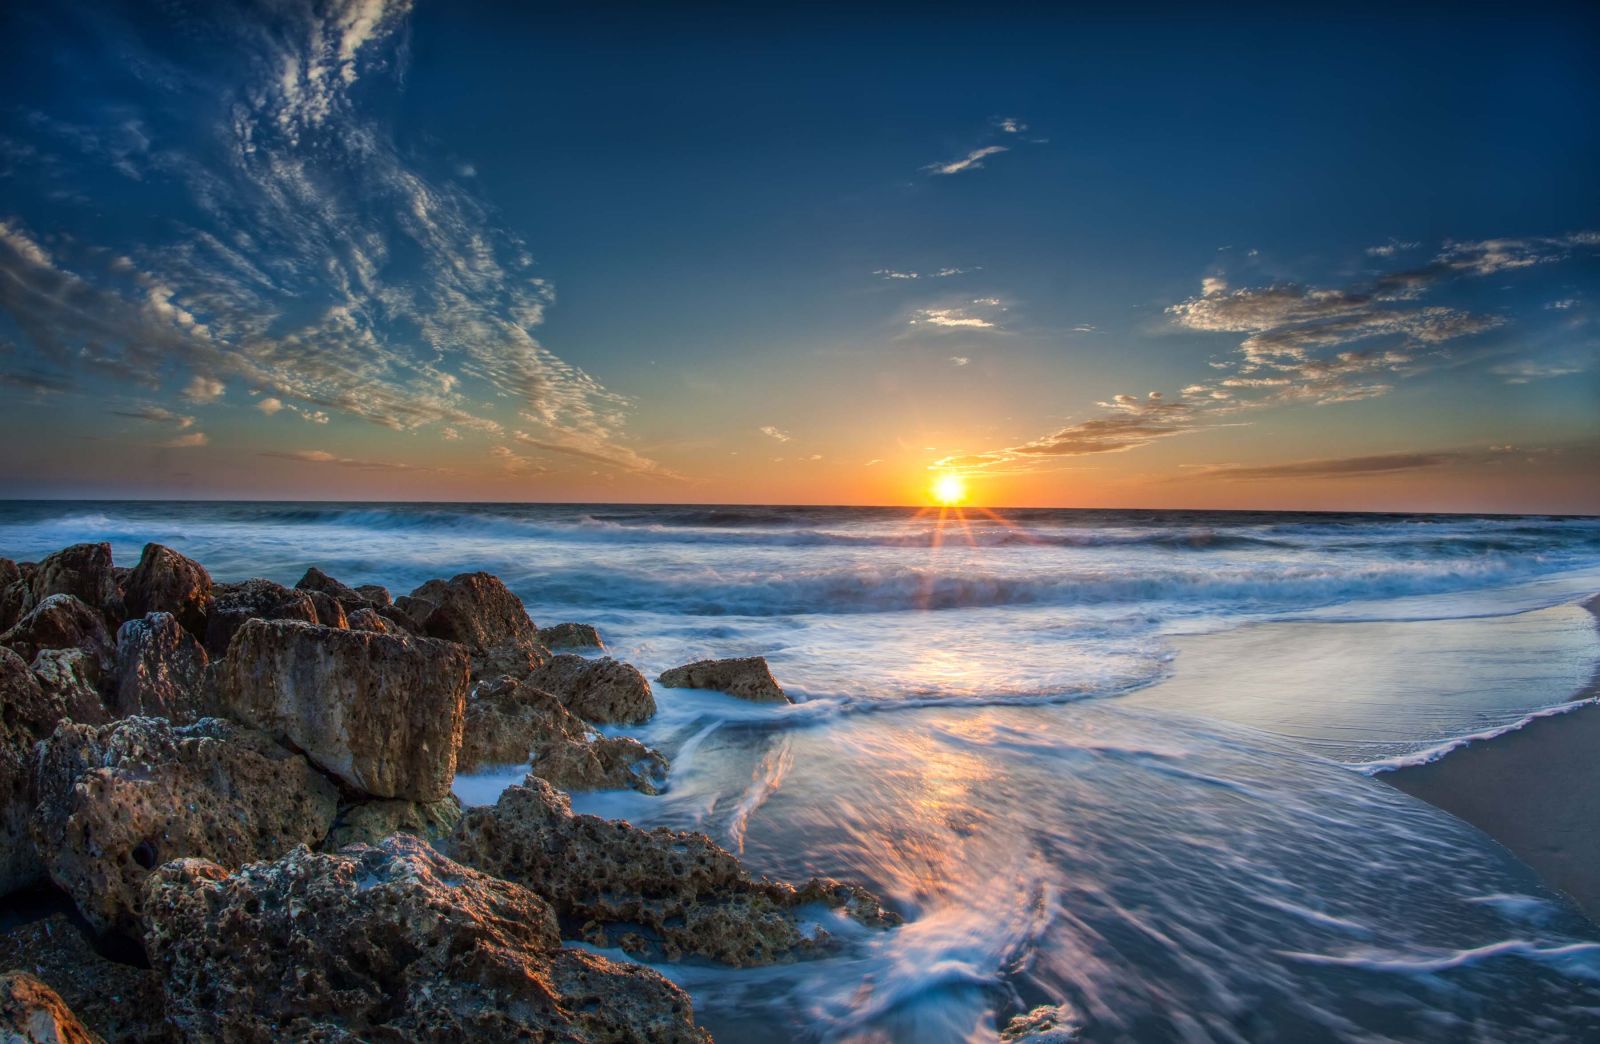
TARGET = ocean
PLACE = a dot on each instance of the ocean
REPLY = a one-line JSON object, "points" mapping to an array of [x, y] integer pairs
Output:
{"points": [[1126, 762]]}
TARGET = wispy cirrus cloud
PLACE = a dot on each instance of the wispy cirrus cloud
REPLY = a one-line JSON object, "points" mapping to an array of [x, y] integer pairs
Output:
{"points": [[773, 432], [971, 161], [316, 456], [1360, 466], [157, 415], [1300, 345], [314, 262]]}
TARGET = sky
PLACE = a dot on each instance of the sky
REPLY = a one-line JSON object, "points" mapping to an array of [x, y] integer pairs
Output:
{"points": [[1126, 255]]}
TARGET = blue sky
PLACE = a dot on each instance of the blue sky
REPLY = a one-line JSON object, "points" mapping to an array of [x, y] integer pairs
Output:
{"points": [[1119, 255]]}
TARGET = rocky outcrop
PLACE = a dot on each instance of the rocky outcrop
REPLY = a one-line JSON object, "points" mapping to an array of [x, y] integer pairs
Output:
{"points": [[256, 599], [369, 822], [160, 671], [688, 893], [382, 712], [117, 800], [480, 612], [16, 595], [387, 942], [747, 677], [25, 713], [603, 690], [510, 724], [71, 680], [369, 620], [329, 612], [1046, 1024], [375, 594], [571, 636], [82, 571], [166, 582], [32, 1013], [316, 580], [61, 621], [119, 1002]]}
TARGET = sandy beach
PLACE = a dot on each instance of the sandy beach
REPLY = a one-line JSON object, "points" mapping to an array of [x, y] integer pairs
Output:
{"points": [[1536, 790]]}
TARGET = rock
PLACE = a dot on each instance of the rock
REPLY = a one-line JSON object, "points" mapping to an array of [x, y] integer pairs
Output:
{"points": [[61, 621], [382, 712], [391, 942], [603, 690], [256, 599], [118, 1001], [117, 800], [16, 594], [747, 678], [347, 597], [71, 679], [571, 636], [397, 619], [32, 1013], [693, 896], [508, 725], [16, 598], [329, 612], [166, 582], [375, 594], [480, 612], [371, 821], [82, 571], [26, 713], [369, 620], [1046, 1024], [160, 672]]}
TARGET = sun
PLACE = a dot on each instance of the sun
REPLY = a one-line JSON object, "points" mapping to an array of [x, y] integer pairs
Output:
{"points": [[950, 490]]}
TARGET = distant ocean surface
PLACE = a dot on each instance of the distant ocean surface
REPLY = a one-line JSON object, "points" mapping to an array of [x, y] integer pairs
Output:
{"points": [[1125, 761]]}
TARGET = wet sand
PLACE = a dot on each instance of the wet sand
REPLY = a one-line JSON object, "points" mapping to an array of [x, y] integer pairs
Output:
{"points": [[1535, 790]]}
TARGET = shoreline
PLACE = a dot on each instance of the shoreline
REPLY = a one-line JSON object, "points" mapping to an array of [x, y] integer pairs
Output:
{"points": [[1533, 788]]}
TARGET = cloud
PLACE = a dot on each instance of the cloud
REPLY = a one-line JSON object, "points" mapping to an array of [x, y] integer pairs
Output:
{"points": [[1010, 125], [157, 415], [324, 457], [204, 389], [269, 405], [1300, 345], [971, 161], [1391, 248], [193, 439], [872, 462], [312, 259], [1528, 370], [772, 432], [941, 273], [981, 313], [1563, 304], [960, 360], [1352, 467]]}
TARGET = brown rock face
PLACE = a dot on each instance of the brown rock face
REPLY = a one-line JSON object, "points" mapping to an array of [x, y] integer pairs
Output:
{"points": [[256, 599], [347, 596], [391, 942], [382, 712], [82, 571], [32, 1013], [693, 896], [118, 1001], [26, 713], [604, 690], [166, 582], [571, 636], [329, 612], [747, 678], [371, 821], [369, 620], [71, 679], [480, 612], [160, 670], [16, 595], [61, 621], [375, 594], [117, 800], [508, 725]]}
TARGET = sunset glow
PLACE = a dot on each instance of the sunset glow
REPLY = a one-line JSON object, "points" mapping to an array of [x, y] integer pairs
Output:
{"points": [[950, 490]]}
